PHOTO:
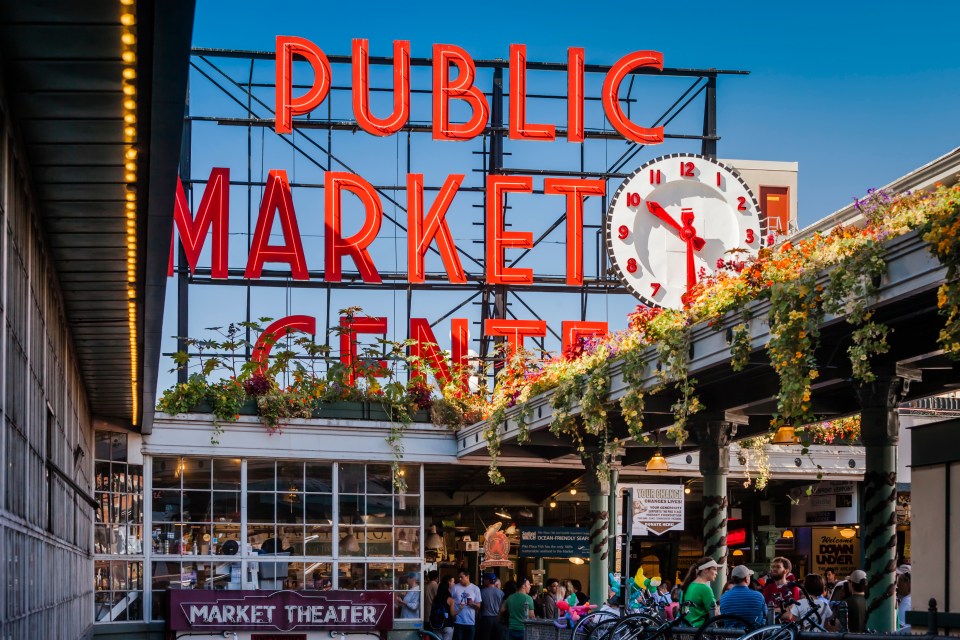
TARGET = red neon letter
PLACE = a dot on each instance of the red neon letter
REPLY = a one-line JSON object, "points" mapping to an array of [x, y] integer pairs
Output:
{"points": [[515, 331], [272, 334], [575, 190], [350, 327], [425, 347], [214, 210], [401, 89], [611, 96], [575, 94], [519, 129], [421, 231], [573, 330], [277, 198], [462, 89], [287, 105], [497, 238], [356, 245]]}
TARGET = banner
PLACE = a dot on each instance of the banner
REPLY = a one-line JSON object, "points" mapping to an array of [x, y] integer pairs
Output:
{"points": [[554, 542], [833, 551], [657, 508]]}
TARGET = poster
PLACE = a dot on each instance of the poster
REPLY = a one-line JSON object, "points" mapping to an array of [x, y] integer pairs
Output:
{"points": [[657, 508], [833, 551], [554, 542]]}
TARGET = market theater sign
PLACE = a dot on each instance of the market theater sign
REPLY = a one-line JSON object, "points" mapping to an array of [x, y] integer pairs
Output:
{"points": [[426, 223], [280, 610]]}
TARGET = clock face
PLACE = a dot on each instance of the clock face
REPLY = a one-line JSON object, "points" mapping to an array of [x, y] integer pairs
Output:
{"points": [[671, 221]]}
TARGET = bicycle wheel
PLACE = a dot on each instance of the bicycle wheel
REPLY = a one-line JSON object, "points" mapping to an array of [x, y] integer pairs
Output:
{"points": [[601, 630], [639, 626], [772, 632], [723, 626], [587, 623]]}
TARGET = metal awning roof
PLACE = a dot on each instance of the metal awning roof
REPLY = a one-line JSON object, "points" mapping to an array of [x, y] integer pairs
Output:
{"points": [[63, 76]]}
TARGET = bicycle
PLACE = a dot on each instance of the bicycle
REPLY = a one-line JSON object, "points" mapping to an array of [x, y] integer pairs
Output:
{"points": [[788, 630]]}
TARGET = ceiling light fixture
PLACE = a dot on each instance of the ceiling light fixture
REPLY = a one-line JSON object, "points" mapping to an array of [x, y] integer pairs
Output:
{"points": [[503, 514], [658, 464]]}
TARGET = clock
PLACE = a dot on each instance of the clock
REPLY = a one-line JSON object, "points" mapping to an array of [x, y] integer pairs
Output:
{"points": [[673, 220]]}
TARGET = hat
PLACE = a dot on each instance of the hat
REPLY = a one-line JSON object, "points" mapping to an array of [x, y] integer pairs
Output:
{"points": [[857, 576], [490, 577], [412, 575], [904, 568], [741, 571], [710, 565]]}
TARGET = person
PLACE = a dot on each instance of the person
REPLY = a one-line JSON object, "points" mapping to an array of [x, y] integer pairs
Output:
{"points": [[430, 592], [582, 598], [829, 579], [778, 589], [661, 597], [519, 608], [491, 598], [813, 584], [697, 592], [741, 600], [903, 593], [671, 611], [409, 601], [549, 599], [467, 600], [857, 602], [442, 610]]}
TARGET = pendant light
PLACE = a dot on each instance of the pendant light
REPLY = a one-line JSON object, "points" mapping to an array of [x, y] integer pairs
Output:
{"points": [[433, 541], [349, 543], [658, 464], [786, 435]]}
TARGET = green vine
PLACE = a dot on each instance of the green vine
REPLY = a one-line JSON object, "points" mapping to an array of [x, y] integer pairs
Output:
{"points": [[943, 234], [492, 437], [740, 342], [673, 348], [633, 401]]}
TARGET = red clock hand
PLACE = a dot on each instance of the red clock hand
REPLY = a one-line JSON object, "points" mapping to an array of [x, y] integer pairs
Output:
{"points": [[661, 213], [689, 234]]}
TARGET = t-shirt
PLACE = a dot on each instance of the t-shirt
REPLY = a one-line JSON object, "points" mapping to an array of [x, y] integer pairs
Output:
{"points": [[743, 601], [491, 599], [519, 606], [772, 589], [902, 609], [803, 607], [460, 595], [411, 603], [856, 613], [702, 602]]}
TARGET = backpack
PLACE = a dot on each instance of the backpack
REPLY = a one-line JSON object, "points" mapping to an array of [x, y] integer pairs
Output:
{"points": [[439, 614]]}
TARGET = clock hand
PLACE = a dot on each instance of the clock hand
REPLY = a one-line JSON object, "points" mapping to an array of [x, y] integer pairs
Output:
{"points": [[662, 214], [691, 267]]}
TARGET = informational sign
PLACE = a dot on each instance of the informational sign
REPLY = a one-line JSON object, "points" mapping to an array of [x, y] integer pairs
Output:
{"points": [[271, 611], [657, 508], [829, 502], [554, 542], [830, 550]]}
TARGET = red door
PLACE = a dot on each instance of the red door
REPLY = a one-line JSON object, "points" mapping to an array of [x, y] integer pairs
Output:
{"points": [[775, 208]]}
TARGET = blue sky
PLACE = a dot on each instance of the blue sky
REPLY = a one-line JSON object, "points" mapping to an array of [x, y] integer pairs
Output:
{"points": [[857, 93]]}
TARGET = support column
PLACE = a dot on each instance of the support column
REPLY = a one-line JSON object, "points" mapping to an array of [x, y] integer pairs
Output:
{"points": [[714, 464], [612, 532], [598, 489], [879, 431]]}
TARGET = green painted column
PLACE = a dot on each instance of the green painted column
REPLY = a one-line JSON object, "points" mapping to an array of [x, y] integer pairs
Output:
{"points": [[612, 506], [598, 489], [879, 431], [714, 465]]}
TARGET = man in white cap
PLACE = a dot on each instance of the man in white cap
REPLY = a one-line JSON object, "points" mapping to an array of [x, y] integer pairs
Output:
{"points": [[740, 600], [857, 602]]}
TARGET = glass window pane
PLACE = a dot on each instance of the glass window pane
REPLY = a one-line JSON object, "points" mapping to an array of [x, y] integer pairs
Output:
{"points": [[102, 475], [292, 538], [278, 574], [352, 541], [352, 576], [352, 509], [166, 506], [319, 477], [101, 447], [195, 537], [411, 473], [407, 510], [379, 509], [407, 541], [318, 540], [319, 508], [226, 473], [258, 534], [223, 533], [260, 475], [196, 506], [290, 507], [379, 542], [380, 576], [196, 473], [226, 506], [379, 478], [351, 478], [289, 476], [260, 507], [166, 537], [166, 473], [317, 576]]}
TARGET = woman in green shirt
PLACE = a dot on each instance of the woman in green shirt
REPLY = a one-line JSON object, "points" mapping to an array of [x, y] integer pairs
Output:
{"points": [[697, 593]]}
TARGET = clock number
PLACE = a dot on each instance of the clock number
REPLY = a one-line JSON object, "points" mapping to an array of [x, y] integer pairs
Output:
{"points": [[633, 199], [771, 240], [686, 169], [632, 265], [656, 287], [623, 232], [741, 203], [654, 176], [750, 236]]}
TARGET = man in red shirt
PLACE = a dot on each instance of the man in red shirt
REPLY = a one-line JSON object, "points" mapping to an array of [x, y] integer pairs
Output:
{"points": [[776, 591]]}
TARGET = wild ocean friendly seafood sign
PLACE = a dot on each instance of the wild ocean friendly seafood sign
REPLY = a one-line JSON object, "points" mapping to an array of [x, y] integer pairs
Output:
{"points": [[280, 610]]}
